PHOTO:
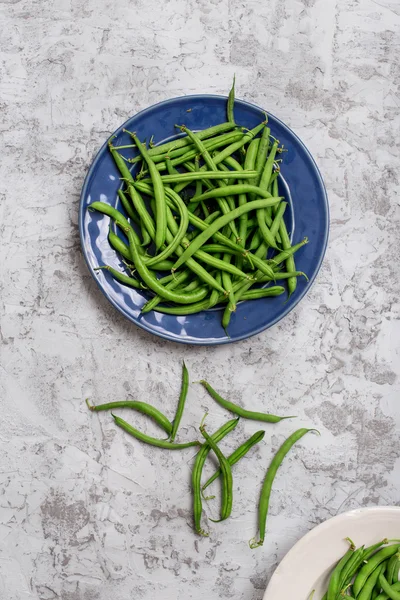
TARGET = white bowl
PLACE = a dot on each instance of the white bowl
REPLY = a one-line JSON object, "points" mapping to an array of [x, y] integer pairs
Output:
{"points": [[307, 565]]}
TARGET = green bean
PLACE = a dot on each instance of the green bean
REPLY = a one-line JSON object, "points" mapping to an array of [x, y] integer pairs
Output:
{"points": [[334, 581], [170, 168], [128, 208], [199, 224], [238, 454], [226, 472], [384, 596], [283, 256], [231, 103], [178, 238], [179, 177], [227, 284], [198, 469], [372, 581], [214, 297], [278, 219], [159, 194], [146, 239], [249, 163], [391, 568], [396, 571], [175, 283], [118, 244], [269, 479], [184, 142], [262, 154], [224, 265], [374, 562], [276, 290], [388, 589], [125, 279], [121, 164], [351, 567], [267, 170], [141, 407], [212, 166], [266, 233], [232, 190], [191, 154], [181, 403], [370, 550], [150, 440], [220, 223], [238, 410], [146, 275], [211, 217], [235, 146], [118, 218]]}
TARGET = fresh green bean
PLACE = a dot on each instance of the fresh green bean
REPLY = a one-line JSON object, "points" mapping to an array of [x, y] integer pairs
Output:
{"points": [[150, 440], [384, 596], [118, 244], [227, 284], [391, 568], [147, 276], [212, 166], [181, 403], [262, 154], [127, 207], [277, 219], [172, 285], [238, 410], [121, 164], [388, 589], [231, 103], [117, 217], [198, 469], [371, 565], [269, 479], [237, 455], [226, 472], [159, 193], [220, 223], [334, 581], [125, 279], [141, 407], [179, 177], [185, 141], [373, 579]]}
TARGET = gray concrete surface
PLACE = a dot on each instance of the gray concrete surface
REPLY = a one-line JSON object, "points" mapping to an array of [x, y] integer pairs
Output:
{"points": [[85, 512]]}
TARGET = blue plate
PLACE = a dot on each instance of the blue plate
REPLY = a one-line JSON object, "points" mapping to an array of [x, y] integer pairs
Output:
{"points": [[301, 183]]}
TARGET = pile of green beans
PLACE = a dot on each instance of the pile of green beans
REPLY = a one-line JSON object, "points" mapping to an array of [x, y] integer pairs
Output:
{"points": [[370, 573], [207, 208], [209, 443]]}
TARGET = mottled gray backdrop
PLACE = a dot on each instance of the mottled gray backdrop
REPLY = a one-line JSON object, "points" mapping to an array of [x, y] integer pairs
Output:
{"points": [[85, 512]]}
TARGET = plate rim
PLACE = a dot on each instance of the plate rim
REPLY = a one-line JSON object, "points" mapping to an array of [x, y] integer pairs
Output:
{"points": [[326, 525], [225, 340]]}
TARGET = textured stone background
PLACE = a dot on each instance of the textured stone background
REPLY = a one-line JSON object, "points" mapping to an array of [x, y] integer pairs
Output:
{"points": [[85, 512]]}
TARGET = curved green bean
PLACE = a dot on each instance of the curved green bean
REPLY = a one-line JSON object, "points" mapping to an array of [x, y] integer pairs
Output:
{"points": [[220, 223], [226, 472], [198, 469], [269, 479], [142, 407], [159, 193], [237, 455], [150, 440], [181, 403], [238, 410]]}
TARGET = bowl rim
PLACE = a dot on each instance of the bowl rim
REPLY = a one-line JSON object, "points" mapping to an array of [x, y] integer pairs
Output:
{"points": [[226, 340]]}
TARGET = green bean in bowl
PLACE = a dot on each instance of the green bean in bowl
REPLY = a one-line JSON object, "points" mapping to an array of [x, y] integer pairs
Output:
{"points": [[206, 208]]}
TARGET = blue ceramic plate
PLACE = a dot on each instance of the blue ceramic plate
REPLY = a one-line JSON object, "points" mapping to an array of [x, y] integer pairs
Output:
{"points": [[307, 215]]}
